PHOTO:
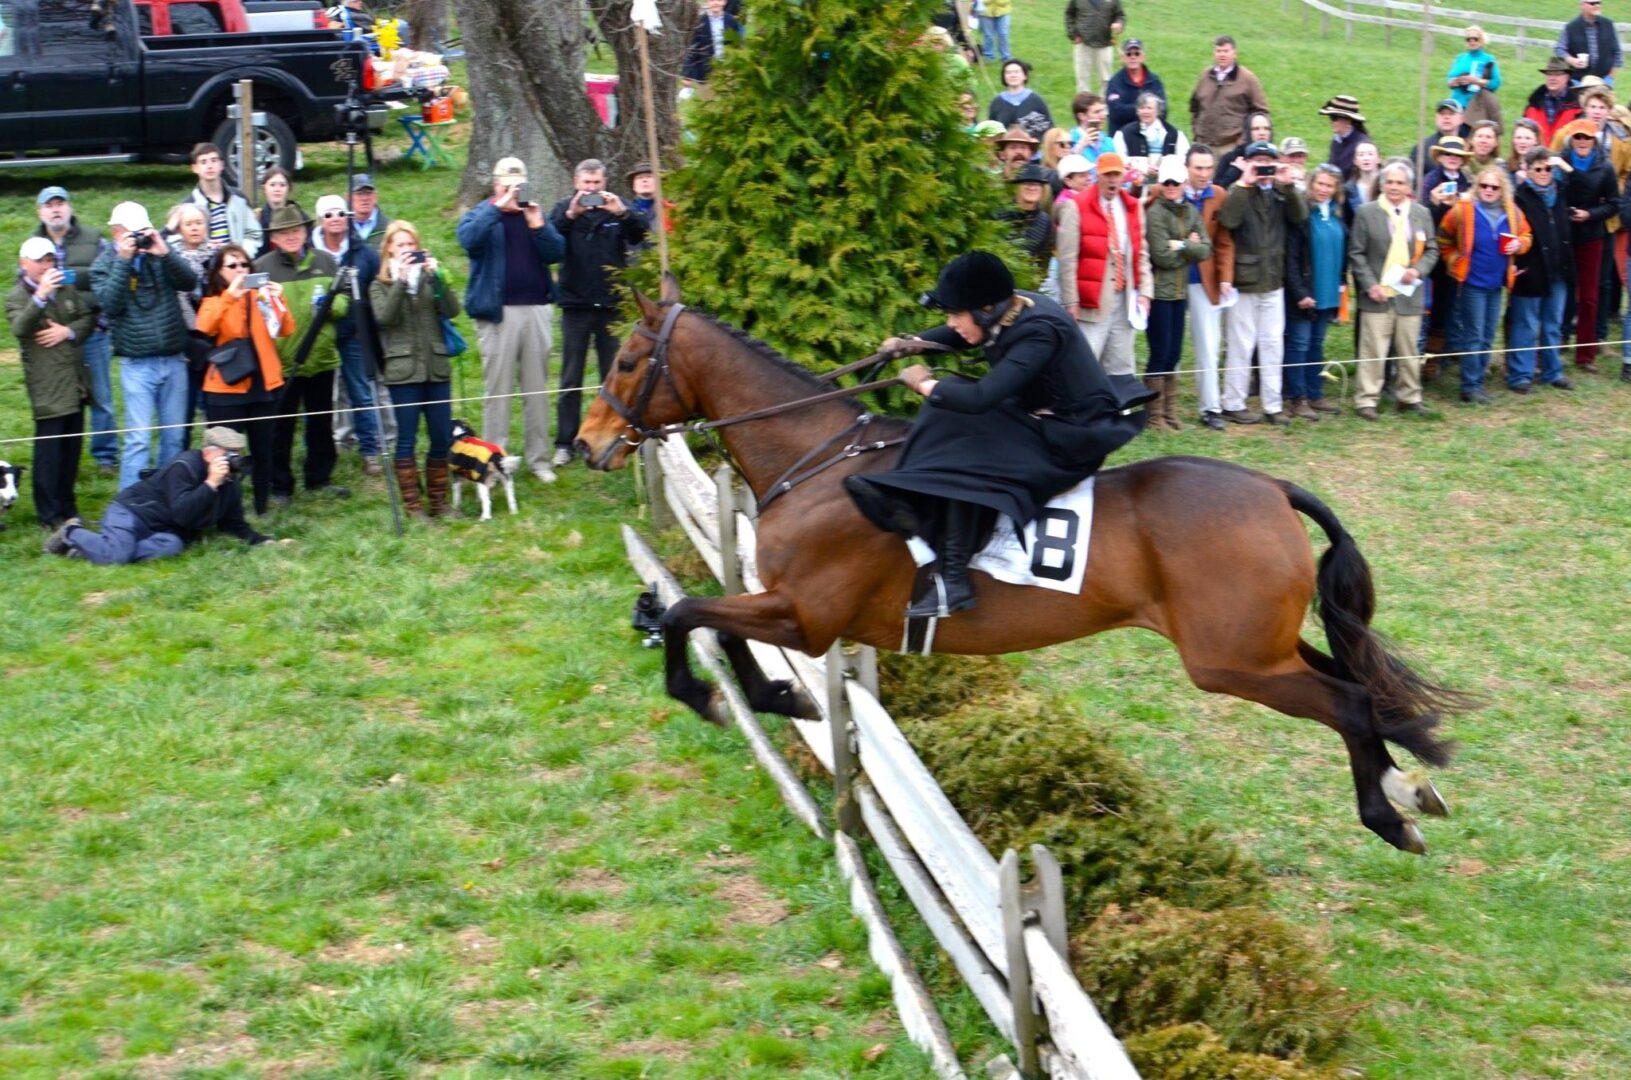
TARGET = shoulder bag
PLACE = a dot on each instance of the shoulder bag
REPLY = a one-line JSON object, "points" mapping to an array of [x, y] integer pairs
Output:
{"points": [[236, 360]]}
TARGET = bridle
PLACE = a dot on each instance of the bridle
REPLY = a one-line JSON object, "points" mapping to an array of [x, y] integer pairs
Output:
{"points": [[659, 371]]}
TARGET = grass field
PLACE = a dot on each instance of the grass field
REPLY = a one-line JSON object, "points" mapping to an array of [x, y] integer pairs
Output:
{"points": [[376, 807]]}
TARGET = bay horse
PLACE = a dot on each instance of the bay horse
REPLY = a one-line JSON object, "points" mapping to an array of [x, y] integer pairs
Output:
{"points": [[1211, 555]]}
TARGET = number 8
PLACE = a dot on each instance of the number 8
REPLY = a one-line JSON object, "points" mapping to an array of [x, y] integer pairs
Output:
{"points": [[1047, 542]]}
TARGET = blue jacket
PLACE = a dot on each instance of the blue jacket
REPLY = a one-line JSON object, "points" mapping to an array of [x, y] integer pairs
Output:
{"points": [[481, 234]]}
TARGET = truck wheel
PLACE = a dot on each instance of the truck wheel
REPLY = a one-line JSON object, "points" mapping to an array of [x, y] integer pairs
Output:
{"points": [[275, 144]]}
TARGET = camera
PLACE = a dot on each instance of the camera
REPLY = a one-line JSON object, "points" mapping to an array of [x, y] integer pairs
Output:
{"points": [[591, 199], [69, 276], [647, 617], [255, 281], [418, 256], [1265, 171], [144, 241], [236, 463]]}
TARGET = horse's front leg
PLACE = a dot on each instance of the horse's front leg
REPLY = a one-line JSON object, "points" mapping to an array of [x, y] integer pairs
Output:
{"points": [[766, 616]]}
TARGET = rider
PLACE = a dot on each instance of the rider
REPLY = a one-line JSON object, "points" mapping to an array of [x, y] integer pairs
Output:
{"points": [[1041, 420]]}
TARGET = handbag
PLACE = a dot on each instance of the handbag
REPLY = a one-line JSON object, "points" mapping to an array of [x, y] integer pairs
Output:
{"points": [[452, 340], [235, 360]]}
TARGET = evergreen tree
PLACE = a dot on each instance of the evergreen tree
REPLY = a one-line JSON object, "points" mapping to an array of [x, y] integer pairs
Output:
{"points": [[830, 179]]}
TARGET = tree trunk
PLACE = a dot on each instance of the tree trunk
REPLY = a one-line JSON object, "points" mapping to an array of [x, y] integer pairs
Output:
{"points": [[427, 23], [525, 56]]}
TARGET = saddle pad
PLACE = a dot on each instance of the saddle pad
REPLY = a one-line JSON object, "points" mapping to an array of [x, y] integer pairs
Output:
{"points": [[1055, 551]]}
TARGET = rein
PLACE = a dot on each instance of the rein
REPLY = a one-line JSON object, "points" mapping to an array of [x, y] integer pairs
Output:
{"points": [[658, 370]]}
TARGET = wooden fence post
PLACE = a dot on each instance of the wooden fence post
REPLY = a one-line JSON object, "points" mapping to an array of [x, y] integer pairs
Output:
{"points": [[662, 515], [1050, 899], [866, 669], [1522, 36], [1012, 901], [846, 809], [1348, 23], [728, 561]]}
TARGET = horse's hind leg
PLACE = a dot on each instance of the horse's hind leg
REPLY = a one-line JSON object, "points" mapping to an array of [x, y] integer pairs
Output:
{"points": [[765, 616], [1345, 708], [780, 696], [1413, 791]]}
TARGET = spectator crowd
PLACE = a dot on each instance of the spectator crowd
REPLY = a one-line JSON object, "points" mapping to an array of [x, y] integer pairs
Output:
{"points": [[260, 319], [1190, 218], [1179, 220]]}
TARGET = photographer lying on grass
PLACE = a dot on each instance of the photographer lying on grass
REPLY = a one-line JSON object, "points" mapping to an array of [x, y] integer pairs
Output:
{"points": [[159, 516]]}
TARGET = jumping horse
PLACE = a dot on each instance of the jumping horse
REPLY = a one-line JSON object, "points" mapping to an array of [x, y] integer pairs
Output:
{"points": [[1208, 554]]}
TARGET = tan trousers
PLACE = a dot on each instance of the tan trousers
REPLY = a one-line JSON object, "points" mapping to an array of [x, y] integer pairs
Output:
{"points": [[517, 349], [1093, 67], [1377, 331]]}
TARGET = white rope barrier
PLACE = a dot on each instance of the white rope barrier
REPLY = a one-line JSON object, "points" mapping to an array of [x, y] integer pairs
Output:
{"points": [[1222, 367]]}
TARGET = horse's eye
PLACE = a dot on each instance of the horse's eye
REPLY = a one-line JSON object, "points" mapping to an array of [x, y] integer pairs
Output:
{"points": [[626, 364]]}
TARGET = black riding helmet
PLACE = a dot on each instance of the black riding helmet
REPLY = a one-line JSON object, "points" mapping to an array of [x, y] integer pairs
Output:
{"points": [[977, 282]]}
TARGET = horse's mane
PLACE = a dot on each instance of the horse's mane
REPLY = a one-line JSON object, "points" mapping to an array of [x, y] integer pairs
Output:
{"points": [[780, 361], [764, 350]]}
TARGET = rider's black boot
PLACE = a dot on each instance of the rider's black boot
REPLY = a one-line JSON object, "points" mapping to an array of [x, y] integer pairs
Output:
{"points": [[950, 590], [887, 511]]}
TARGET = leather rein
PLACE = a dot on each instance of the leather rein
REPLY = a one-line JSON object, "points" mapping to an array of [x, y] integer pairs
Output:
{"points": [[658, 371]]}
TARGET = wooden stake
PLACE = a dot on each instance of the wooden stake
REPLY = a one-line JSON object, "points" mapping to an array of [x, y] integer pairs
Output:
{"points": [[652, 150]]}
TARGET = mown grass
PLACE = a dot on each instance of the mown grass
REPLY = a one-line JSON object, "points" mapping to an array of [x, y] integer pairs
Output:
{"points": [[369, 806], [233, 785]]}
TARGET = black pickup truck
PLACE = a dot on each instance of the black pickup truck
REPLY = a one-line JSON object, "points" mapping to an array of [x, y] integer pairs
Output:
{"points": [[82, 85]]}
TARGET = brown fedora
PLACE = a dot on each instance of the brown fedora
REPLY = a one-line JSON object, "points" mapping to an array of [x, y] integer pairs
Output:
{"points": [[1019, 135], [288, 216]]}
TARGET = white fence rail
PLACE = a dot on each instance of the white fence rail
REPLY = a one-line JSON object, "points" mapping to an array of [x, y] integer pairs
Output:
{"points": [[1521, 32], [1006, 941]]}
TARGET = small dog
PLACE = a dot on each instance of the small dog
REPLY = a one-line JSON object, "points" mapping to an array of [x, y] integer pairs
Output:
{"points": [[9, 476], [482, 464]]}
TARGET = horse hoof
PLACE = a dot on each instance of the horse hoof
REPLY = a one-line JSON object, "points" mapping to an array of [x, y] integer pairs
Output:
{"points": [[1430, 801], [1414, 791], [1411, 839], [792, 701], [714, 710]]}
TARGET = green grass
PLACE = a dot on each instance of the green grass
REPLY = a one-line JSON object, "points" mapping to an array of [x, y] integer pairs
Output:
{"points": [[376, 807]]}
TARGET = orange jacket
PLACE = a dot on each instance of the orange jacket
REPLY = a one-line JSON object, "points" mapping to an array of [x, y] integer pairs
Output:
{"points": [[226, 319], [1458, 229]]}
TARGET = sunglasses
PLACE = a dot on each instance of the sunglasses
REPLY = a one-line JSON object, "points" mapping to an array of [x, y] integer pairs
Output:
{"points": [[1540, 168], [235, 265], [1132, 52], [1474, 40], [1489, 187], [333, 213], [1172, 183]]}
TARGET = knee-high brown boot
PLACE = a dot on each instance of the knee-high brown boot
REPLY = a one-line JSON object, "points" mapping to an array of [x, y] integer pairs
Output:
{"points": [[1157, 408], [407, 482], [436, 481], [1169, 401]]}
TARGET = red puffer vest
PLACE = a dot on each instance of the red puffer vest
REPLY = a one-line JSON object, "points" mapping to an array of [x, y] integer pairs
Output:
{"points": [[1093, 262]]}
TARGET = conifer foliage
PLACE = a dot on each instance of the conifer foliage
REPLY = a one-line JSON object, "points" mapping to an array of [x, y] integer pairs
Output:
{"points": [[829, 179]]}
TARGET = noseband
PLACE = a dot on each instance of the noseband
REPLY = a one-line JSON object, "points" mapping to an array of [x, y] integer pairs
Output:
{"points": [[657, 370]]}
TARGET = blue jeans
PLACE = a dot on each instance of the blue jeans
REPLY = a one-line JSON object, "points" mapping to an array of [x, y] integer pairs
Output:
{"points": [[154, 386], [124, 538], [99, 358], [1305, 353], [1536, 319], [360, 391], [994, 37], [1166, 336], [427, 399], [1478, 314]]}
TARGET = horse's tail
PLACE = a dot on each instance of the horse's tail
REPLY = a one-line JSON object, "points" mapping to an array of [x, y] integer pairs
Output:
{"points": [[1406, 707]]}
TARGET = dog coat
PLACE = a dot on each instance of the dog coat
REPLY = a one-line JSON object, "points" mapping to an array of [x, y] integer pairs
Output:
{"points": [[473, 458]]}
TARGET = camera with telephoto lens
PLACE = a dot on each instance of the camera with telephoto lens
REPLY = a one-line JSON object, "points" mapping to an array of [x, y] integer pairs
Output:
{"points": [[236, 463], [589, 200], [648, 616], [144, 241]]}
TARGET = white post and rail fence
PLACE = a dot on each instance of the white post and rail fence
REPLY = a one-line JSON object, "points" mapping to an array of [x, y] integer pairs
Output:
{"points": [[1523, 33], [1005, 935]]}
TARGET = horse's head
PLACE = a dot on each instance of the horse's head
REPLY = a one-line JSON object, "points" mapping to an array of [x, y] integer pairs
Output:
{"points": [[640, 393]]}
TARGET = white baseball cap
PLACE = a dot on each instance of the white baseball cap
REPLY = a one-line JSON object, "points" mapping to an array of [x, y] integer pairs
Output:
{"points": [[510, 168], [36, 247], [131, 216], [1071, 164], [1172, 168]]}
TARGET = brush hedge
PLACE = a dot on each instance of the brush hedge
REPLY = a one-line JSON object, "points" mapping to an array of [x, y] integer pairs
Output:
{"points": [[1176, 949]]}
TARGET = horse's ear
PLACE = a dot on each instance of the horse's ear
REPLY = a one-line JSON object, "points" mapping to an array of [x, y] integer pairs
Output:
{"points": [[671, 288], [648, 310]]}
